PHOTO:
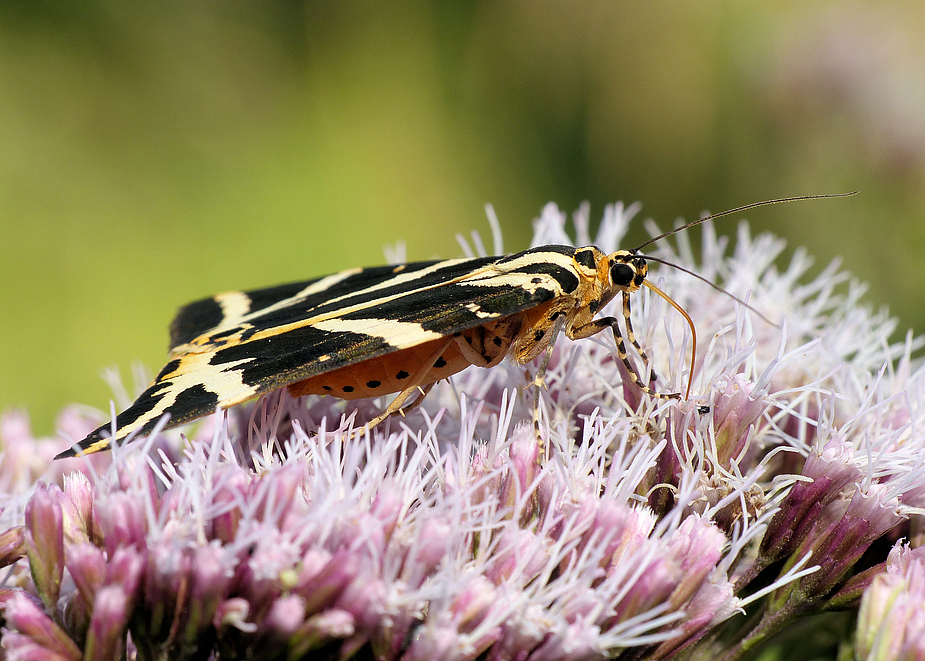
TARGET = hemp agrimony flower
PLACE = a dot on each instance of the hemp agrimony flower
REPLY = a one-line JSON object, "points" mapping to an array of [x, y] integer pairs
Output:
{"points": [[891, 621], [633, 527]]}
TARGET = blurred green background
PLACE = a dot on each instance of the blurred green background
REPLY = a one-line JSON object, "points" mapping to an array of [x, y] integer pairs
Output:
{"points": [[154, 153]]}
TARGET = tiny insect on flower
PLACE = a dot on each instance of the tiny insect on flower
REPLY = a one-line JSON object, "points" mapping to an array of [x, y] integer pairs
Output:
{"points": [[392, 329]]}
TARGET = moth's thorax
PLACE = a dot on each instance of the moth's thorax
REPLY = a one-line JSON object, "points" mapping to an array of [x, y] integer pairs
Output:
{"points": [[591, 266]]}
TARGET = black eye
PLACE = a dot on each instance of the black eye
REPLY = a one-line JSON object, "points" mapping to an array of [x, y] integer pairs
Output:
{"points": [[621, 274]]}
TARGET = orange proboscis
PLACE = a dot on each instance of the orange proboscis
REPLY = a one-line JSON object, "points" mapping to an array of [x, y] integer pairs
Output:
{"points": [[690, 322]]}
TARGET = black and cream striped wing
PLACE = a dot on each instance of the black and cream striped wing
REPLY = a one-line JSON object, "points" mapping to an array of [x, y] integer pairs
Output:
{"points": [[237, 345]]}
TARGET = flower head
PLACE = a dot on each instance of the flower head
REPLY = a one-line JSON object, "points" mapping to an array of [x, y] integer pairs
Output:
{"points": [[891, 622], [628, 524]]}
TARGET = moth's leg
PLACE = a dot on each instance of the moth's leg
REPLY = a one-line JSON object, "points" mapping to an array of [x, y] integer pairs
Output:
{"points": [[414, 385], [632, 336], [557, 325], [394, 408], [486, 346], [470, 354], [539, 381], [422, 393], [596, 326]]}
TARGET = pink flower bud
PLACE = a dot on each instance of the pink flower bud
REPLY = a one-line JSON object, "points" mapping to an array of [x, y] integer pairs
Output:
{"points": [[713, 603], [280, 494], [38, 636], [573, 643], [892, 614], [322, 629], [210, 579], [697, 546], [519, 554], [837, 546], [234, 613], [830, 472], [323, 588], [736, 411], [122, 520], [45, 541], [125, 569], [79, 493], [106, 635], [285, 616], [473, 602], [523, 467], [428, 550], [12, 545], [230, 495], [87, 565], [166, 575]]}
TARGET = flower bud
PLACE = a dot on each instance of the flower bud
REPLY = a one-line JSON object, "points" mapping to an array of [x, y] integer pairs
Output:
{"points": [[736, 410], [87, 566], [12, 545], [79, 493], [830, 472], [31, 634], [892, 615], [209, 578], [106, 635], [122, 520], [45, 542]]}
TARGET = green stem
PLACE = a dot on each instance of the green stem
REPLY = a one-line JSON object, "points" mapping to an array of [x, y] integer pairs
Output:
{"points": [[770, 624]]}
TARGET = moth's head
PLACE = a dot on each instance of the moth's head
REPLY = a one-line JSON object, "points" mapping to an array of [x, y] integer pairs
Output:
{"points": [[627, 270]]}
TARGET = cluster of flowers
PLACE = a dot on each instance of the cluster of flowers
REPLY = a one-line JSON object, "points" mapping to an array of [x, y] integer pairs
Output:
{"points": [[636, 527]]}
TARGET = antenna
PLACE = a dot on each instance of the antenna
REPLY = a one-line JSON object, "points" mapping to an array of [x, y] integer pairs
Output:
{"points": [[677, 307], [744, 207]]}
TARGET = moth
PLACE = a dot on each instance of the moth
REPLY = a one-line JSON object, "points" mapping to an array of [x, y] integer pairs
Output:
{"points": [[390, 329]]}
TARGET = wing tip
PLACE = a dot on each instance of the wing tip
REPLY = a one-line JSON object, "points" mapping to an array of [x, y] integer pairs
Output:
{"points": [[93, 443], [67, 454]]}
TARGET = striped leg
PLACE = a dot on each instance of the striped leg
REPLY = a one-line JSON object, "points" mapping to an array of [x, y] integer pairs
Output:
{"points": [[596, 326], [632, 338]]}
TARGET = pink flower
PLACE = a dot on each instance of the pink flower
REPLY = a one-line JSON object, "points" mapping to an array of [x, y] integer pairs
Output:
{"points": [[634, 526], [891, 621]]}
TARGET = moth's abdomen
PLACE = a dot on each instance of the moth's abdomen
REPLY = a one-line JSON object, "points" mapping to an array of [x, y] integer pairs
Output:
{"points": [[383, 375], [485, 346]]}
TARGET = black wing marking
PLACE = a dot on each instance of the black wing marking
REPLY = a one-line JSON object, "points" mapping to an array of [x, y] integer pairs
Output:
{"points": [[228, 309], [255, 342]]}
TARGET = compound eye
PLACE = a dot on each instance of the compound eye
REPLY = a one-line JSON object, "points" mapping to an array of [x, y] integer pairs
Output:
{"points": [[621, 274]]}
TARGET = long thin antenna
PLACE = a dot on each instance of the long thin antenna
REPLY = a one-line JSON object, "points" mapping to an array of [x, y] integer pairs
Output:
{"points": [[740, 209]]}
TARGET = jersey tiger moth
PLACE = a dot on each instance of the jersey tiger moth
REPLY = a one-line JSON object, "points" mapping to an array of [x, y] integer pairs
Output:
{"points": [[374, 331]]}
